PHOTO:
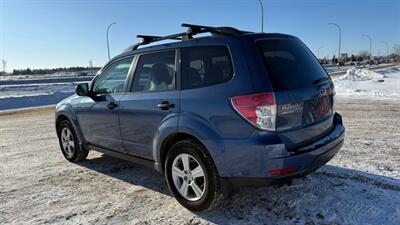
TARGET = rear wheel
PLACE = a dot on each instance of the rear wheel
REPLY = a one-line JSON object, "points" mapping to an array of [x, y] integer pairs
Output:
{"points": [[69, 143], [192, 176]]}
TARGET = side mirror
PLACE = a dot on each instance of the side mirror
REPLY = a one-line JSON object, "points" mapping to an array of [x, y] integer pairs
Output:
{"points": [[82, 89]]}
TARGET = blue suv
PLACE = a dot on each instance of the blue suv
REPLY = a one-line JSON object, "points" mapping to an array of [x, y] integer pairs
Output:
{"points": [[234, 108]]}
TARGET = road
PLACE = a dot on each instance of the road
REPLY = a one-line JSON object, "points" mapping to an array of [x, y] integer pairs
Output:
{"points": [[359, 186]]}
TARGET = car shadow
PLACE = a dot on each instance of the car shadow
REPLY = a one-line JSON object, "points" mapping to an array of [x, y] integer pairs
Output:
{"points": [[330, 195], [129, 172]]}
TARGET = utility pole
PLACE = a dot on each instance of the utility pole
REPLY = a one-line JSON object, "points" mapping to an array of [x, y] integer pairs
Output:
{"points": [[262, 16], [340, 39], [370, 44], [108, 44]]}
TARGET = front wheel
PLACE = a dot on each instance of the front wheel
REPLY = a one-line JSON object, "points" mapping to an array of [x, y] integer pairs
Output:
{"points": [[192, 176], [69, 143]]}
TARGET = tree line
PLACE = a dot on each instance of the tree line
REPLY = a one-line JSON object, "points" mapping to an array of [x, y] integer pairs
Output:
{"points": [[28, 71]]}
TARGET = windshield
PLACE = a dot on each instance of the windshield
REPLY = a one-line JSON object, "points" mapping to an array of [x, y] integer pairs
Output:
{"points": [[290, 64]]}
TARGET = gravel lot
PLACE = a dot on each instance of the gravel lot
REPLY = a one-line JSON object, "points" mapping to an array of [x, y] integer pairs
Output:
{"points": [[361, 185]]}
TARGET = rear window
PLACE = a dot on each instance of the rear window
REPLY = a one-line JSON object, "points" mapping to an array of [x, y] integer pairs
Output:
{"points": [[290, 64], [205, 66]]}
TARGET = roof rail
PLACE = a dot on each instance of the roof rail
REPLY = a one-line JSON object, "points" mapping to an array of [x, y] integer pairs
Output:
{"points": [[191, 31]]}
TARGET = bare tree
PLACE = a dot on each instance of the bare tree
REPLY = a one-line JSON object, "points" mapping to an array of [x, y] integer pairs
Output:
{"points": [[364, 54], [90, 63], [4, 63]]}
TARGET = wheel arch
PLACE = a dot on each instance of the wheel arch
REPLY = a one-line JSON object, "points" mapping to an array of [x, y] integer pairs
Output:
{"points": [[189, 126], [68, 115], [61, 118], [170, 140]]}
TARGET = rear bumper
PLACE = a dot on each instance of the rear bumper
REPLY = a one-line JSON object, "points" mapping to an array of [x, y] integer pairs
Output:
{"points": [[314, 164], [305, 160]]}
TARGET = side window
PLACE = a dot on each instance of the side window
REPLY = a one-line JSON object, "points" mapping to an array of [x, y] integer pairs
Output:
{"points": [[112, 79], [155, 72], [205, 66]]}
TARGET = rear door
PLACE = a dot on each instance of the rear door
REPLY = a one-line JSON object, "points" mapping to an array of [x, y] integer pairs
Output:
{"points": [[303, 91], [154, 98]]}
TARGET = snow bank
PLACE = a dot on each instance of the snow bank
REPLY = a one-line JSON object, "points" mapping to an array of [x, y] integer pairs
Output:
{"points": [[16, 102], [37, 90], [355, 74], [378, 84]]}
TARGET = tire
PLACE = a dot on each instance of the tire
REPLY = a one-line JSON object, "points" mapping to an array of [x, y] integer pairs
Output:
{"points": [[202, 192], [69, 143]]}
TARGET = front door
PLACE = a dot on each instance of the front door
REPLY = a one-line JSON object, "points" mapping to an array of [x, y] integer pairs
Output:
{"points": [[98, 114], [153, 100]]}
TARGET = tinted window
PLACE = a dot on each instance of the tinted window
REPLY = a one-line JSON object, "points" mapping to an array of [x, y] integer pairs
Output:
{"points": [[155, 72], [290, 64], [112, 79], [204, 66]]}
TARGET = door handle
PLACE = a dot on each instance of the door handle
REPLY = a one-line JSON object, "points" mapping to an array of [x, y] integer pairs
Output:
{"points": [[165, 105], [112, 105]]}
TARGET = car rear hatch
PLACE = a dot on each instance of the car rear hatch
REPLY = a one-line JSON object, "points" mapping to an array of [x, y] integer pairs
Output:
{"points": [[302, 89]]}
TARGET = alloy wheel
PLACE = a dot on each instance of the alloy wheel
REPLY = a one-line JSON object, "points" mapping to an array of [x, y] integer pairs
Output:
{"points": [[188, 176], [67, 142]]}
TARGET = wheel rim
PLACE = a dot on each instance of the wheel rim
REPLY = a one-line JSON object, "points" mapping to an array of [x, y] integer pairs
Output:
{"points": [[67, 142], [188, 177]]}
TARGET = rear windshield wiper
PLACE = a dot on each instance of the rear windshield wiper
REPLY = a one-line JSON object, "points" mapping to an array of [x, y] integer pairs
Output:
{"points": [[319, 80]]}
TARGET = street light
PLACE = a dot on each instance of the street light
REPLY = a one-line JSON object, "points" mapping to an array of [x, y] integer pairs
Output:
{"points": [[370, 44], [387, 50], [340, 39], [262, 16], [108, 44]]}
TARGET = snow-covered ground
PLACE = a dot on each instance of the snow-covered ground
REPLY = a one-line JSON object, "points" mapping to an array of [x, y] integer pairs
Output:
{"points": [[364, 83], [335, 69], [360, 186], [58, 75], [22, 91]]}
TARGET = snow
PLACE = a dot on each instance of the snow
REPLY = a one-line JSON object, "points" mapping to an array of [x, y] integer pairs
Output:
{"points": [[22, 91], [58, 75], [360, 185], [335, 69], [356, 74], [363, 83]]}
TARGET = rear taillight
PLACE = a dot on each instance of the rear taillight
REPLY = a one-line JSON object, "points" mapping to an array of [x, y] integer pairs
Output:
{"points": [[258, 109]]}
